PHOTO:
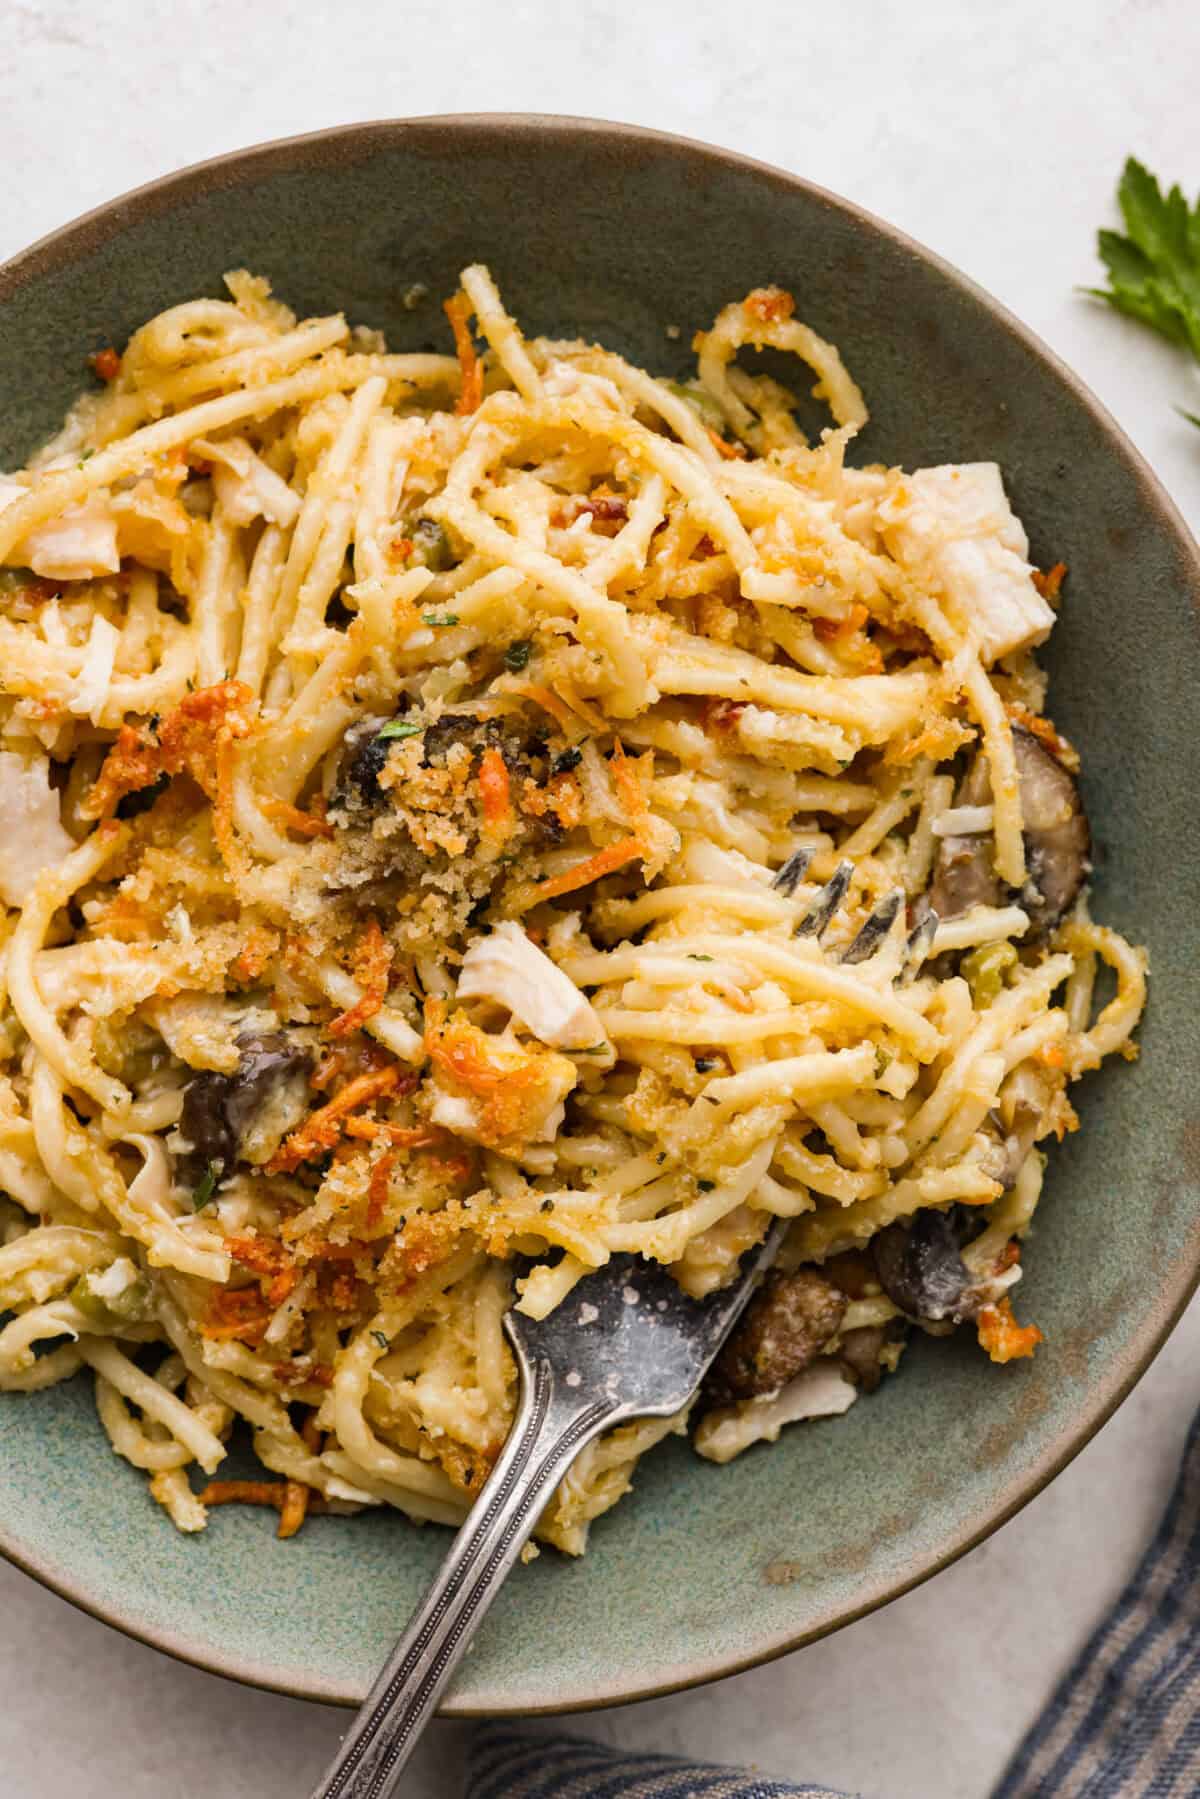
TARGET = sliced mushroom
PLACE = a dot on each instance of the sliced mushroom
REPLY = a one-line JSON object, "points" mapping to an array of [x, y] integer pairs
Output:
{"points": [[784, 1328], [1057, 839], [919, 1264], [964, 875], [364, 752], [244, 1116], [1057, 842], [441, 737]]}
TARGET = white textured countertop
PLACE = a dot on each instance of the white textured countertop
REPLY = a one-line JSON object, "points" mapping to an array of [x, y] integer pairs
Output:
{"points": [[993, 134]]}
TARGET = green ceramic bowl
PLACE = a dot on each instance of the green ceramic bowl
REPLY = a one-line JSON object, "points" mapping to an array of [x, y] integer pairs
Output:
{"points": [[616, 233]]}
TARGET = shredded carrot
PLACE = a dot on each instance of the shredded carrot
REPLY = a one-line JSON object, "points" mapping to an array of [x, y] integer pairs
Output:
{"points": [[366, 1128], [470, 394], [1046, 734], [1052, 1055], [377, 1187], [731, 452], [512, 1086], [770, 304], [940, 740], [1049, 583], [263, 1254], [604, 862], [243, 1492], [268, 1260], [197, 738], [106, 363], [192, 735], [413, 1136], [258, 946], [240, 1312], [321, 1130], [562, 795], [1004, 1339], [305, 824], [494, 790], [299, 1499], [400, 549], [294, 1509], [338, 1252], [334, 1062], [371, 963], [133, 762], [832, 630], [629, 787]]}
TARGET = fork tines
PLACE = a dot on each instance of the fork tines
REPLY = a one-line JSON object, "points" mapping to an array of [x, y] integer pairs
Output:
{"points": [[918, 946], [875, 929], [817, 918], [789, 876]]}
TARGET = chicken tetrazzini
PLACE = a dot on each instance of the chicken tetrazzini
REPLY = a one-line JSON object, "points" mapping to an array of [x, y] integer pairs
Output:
{"points": [[418, 775]]}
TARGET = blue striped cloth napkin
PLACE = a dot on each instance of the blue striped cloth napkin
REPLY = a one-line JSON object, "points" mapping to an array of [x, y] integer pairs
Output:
{"points": [[1124, 1723]]}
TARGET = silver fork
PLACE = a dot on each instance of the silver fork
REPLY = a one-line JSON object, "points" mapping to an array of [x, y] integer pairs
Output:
{"points": [[626, 1343]]}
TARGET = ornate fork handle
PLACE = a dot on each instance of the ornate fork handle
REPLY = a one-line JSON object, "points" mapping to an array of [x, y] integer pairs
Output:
{"points": [[549, 1431]]}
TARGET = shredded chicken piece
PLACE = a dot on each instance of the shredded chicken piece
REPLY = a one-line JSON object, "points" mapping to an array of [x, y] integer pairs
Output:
{"points": [[246, 486], [821, 1391], [954, 525], [32, 838], [506, 967], [77, 546]]}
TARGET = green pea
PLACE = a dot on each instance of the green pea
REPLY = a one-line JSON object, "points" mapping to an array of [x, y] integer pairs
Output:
{"points": [[431, 546], [132, 1305], [985, 969]]}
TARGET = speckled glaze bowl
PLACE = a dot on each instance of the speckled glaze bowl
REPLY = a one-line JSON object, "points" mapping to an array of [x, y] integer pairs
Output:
{"points": [[616, 233]]}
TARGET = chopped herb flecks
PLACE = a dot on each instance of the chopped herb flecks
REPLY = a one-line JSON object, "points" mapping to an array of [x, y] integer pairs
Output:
{"points": [[205, 1187]]}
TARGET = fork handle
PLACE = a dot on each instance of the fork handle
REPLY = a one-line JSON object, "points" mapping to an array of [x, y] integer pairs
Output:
{"points": [[548, 1432]]}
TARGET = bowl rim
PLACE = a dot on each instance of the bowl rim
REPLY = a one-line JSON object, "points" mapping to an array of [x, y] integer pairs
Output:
{"points": [[56, 251]]}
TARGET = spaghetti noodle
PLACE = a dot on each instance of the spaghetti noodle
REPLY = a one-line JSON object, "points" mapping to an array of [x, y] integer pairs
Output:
{"points": [[416, 773]]}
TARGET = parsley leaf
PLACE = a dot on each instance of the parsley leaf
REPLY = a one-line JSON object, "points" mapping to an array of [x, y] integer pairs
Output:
{"points": [[706, 1186], [440, 620], [1154, 269], [516, 656], [205, 1188], [383, 1342], [398, 727]]}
